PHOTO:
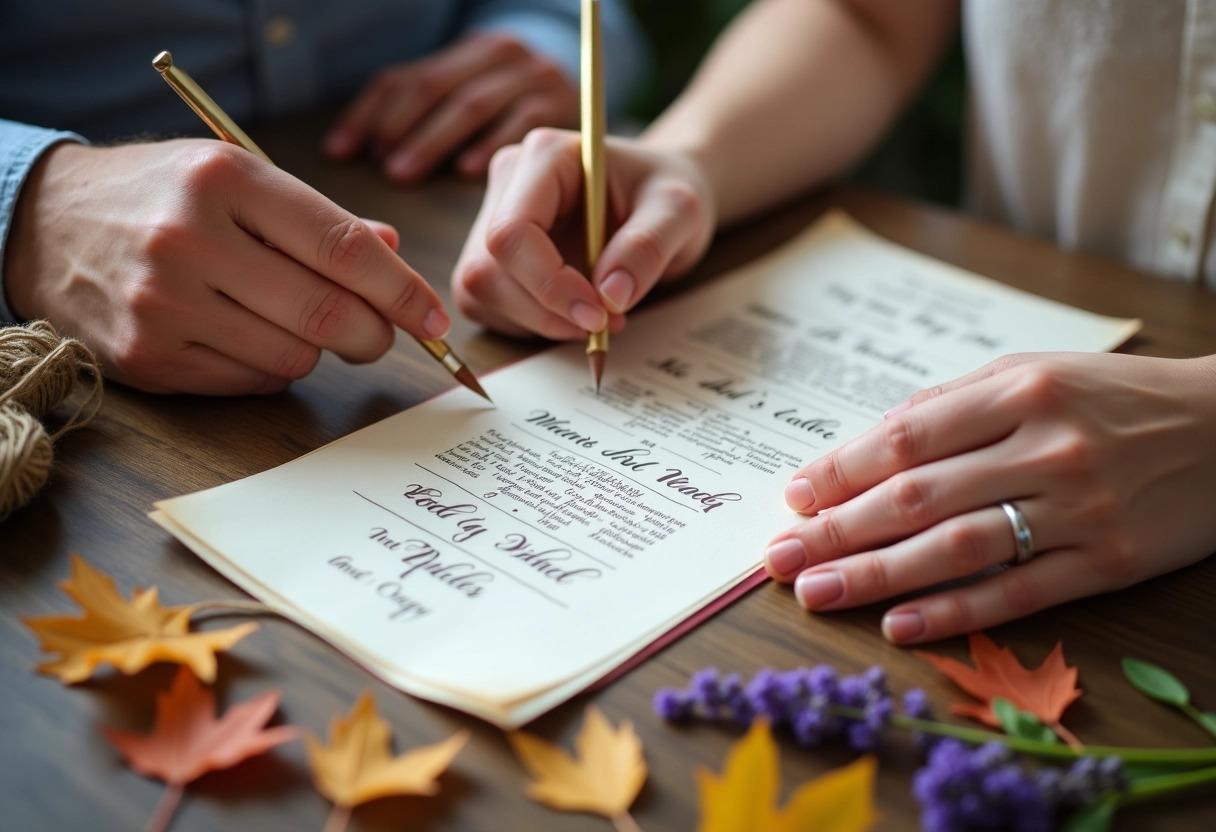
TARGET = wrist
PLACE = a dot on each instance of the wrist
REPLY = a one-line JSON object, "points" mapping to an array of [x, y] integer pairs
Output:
{"points": [[27, 249]]}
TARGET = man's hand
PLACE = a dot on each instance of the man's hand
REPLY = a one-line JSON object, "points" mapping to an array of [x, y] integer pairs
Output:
{"points": [[192, 266], [466, 101]]}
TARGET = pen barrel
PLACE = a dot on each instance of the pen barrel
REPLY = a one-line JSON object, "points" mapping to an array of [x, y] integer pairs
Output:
{"points": [[592, 130], [204, 106]]}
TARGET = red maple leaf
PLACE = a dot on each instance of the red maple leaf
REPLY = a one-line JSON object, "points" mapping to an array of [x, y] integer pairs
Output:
{"points": [[1044, 692]]}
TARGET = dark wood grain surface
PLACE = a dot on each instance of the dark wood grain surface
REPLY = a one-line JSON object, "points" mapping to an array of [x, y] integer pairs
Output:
{"points": [[57, 772]]}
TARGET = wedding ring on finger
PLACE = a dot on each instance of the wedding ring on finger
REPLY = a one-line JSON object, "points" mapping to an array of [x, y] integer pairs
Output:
{"points": [[1023, 540]]}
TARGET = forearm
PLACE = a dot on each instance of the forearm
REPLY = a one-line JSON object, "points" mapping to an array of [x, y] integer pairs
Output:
{"points": [[797, 91], [20, 148]]}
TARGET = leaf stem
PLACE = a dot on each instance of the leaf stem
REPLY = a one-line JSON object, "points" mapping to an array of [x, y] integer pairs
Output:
{"points": [[1066, 735], [1197, 715], [339, 818], [1151, 786], [624, 822], [233, 605], [1187, 756], [160, 819]]}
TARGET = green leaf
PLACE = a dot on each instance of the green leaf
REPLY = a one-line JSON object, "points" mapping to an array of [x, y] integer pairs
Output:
{"points": [[1156, 682], [1208, 721], [1096, 817], [1022, 724], [1147, 771]]}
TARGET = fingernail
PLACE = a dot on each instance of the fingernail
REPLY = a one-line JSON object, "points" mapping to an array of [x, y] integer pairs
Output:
{"points": [[785, 559], [588, 317], [815, 589], [338, 143], [436, 324], [899, 408], [402, 166], [903, 626], [617, 289], [799, 495]]}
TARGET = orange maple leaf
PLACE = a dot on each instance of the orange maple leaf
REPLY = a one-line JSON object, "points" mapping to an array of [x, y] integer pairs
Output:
{"points": [[1044, 692], [129, 635], [603, 778], [358, 766], [187, 741], [744, 797]]}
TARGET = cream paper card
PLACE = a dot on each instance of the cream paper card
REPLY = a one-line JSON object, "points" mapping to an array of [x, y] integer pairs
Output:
{"points": [[500, 559]]}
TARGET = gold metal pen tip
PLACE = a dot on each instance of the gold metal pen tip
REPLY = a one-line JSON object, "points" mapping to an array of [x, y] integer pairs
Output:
{"points": [[163, 61], [465, 376], [597, 360]]}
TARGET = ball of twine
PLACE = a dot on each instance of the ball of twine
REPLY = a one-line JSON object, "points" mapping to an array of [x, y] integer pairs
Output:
{"points": [[25, 458], [38, 370]]}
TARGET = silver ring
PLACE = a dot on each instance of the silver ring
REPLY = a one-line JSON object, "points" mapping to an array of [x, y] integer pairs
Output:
{"points": [[1023, 540]]}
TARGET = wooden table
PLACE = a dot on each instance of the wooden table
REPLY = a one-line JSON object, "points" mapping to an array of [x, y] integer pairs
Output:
{"points": [[57, 772]]}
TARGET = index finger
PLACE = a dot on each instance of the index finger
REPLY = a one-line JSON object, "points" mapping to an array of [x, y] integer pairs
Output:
{"points": [[965, 419], [334, 243]]}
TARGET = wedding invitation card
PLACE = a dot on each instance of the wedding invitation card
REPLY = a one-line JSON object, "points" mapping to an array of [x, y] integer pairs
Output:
{"points": [[498, 559]]}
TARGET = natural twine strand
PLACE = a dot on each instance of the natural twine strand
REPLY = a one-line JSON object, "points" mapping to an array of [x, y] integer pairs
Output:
{"points": [[38, 370]]}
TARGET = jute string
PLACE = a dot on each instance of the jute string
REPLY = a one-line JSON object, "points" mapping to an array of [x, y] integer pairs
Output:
{"points": [[38, 370]]}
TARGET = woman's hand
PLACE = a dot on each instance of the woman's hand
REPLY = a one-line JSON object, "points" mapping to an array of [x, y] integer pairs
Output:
{"points": [[192, 266], [466, 101], [519, 271], [1110, 458]]}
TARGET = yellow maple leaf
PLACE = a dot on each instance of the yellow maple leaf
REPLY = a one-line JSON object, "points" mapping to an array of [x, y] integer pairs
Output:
{"points": [[603, 778], [358, 766], [130, 635], [744, 797]]}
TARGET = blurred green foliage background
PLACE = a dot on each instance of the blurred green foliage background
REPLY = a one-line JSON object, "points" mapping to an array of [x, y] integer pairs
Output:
{"points": [[920, 158]]}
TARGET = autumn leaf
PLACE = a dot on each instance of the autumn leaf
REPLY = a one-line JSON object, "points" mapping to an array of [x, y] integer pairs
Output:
{"points": [[130, 635], [358, 765], [744, 797], [187, 741], [1044, 692], [603, 777]]}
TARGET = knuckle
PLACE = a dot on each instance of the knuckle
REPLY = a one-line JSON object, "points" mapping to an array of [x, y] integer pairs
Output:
{"points": [[478, 107], [426, 84], [833, 535], [1038, 385], [325, 315], [1074, 456], [646, 250], [830, 475], [207, 168], [505, 238], [476, 278], [503, 160], [900, 441], [872, 574], [550, 290], [966, 552], [166, 240], [346, 247], [402, 305], [926, 394], [1018, 594], [504, 47], [1120, 559], [547, 140], [138, 355], [682, 199], [954, 615], [908, 499], [297, 361]]}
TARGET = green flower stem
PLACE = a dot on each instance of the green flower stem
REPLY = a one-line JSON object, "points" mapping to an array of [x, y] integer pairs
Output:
{"points": [[1151, 786], [1184, 756]]}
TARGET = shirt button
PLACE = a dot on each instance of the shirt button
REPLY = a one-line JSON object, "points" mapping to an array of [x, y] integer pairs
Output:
{"points": [[1205, 106], [1181, 235], [280, 31]]}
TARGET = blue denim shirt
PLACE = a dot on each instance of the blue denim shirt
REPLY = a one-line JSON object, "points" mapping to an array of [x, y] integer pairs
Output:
{"points": [[86, 67]]}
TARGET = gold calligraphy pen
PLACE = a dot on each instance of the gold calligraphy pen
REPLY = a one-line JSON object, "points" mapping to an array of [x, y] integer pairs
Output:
{"points": [[227, 129], [591, 139]]}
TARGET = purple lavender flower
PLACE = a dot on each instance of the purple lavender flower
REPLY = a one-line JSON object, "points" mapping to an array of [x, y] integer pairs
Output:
{"points": [[672, 705], [803, 699], [986, 788], [961, 789]]}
